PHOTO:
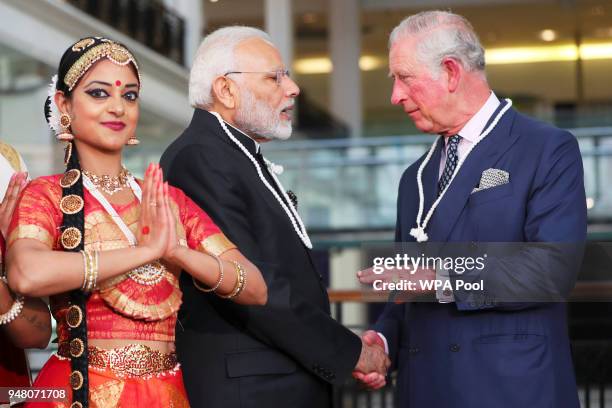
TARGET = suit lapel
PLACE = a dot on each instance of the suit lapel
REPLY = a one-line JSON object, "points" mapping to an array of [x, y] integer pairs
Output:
{"points": [[482, 157], [267, 195]]}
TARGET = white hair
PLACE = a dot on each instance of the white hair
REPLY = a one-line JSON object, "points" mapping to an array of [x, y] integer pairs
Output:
{"points": [[214, 58], [448, 35]]}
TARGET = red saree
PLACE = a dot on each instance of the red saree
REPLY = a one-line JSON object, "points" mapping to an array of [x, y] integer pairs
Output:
{"points": [[123, 307]]}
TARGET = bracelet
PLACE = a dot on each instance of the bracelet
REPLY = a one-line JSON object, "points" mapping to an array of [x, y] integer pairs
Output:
{"points": [[90, 270], [240, 282], [93, 278], [197, 285], [14, 311], [16, 307]]}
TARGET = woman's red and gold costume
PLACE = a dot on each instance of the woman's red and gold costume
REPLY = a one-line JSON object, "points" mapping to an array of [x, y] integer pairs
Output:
{"points": [[137, 305]]}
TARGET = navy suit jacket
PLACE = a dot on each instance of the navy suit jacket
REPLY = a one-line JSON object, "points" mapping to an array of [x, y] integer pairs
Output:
{"points": [[492, 354]]}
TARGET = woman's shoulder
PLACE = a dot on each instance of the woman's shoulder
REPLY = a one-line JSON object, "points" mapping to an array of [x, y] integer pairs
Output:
{"points": [[50, 185], [47, 180]]}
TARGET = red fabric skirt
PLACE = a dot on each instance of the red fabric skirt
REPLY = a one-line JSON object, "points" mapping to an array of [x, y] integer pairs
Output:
{"points": [[106, 389]]}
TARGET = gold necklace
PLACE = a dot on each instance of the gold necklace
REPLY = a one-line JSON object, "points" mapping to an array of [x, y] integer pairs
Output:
{"points": [[109, 184]]}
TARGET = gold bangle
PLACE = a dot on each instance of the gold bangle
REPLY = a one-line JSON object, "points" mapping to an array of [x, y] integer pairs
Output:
{"points": [[93, 278], [197, 285], [240, 282], [85, 268], [90, 274]]}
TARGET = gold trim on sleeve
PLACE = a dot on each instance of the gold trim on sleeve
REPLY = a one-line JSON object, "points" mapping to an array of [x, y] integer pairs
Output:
{"points": [[216, 244], [31, 232]]}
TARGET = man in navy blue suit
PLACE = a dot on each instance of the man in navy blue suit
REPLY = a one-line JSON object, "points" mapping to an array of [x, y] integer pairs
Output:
{"points": [[493, 175]]}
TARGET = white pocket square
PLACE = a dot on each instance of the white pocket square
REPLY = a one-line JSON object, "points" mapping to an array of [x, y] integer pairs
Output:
{"points": [[492, 178]]}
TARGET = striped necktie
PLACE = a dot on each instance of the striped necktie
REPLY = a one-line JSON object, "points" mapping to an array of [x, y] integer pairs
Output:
{"points": [[451, 162]]}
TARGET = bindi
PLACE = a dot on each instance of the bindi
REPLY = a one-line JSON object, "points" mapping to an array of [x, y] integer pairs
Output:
{"points": [[118, 83]]}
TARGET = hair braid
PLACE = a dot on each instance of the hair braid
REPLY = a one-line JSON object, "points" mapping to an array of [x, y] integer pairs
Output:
{"points": [[77, 296]]}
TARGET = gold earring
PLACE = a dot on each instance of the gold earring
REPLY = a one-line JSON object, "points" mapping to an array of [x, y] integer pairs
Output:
{"points": [[65, 122], [132, 141]]}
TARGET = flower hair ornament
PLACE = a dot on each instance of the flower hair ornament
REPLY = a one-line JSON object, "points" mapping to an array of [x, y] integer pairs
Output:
{"points": [[53, 117]]}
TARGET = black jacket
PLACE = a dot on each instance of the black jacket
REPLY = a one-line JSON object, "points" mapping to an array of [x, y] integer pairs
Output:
{"points": [[286, 353]]}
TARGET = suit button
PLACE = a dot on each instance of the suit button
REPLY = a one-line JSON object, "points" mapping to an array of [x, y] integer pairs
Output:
{"points": [[454, 348], [473, 245], [413, 350]]}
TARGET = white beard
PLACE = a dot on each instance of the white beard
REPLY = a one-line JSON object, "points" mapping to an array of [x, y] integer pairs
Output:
{"points": [[255, 117]]}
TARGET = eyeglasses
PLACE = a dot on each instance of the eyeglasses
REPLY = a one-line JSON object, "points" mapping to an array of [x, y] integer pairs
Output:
{"points": [[278, 74]]}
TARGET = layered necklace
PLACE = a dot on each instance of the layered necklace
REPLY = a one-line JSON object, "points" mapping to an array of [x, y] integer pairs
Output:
{"points": [[418, 232], [149, 274], [291, 212], [109, 184]]}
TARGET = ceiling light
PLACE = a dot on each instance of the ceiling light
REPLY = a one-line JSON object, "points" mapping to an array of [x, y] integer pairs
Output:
{"points": [[548, 35], [323, 65], [517, 55]]}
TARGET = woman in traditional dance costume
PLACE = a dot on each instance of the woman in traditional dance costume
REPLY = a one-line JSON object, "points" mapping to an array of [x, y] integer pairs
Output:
{"points": [[108, 248]]}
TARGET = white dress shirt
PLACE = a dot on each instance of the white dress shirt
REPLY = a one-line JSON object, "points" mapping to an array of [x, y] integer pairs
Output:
{"points": [[471, 131]]}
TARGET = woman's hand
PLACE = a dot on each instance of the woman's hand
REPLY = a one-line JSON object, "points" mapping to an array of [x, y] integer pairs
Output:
{"points": [[13, 191], [153, 228], [173, 248]]}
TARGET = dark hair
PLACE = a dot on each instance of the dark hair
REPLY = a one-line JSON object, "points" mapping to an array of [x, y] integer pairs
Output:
{"points": [[77, 297]]}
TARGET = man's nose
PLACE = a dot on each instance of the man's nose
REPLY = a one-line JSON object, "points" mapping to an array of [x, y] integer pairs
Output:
{"points": [[398, 95], [291, 88]]}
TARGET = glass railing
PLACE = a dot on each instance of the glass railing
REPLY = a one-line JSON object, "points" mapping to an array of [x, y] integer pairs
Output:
{"points": [[352, 183]]}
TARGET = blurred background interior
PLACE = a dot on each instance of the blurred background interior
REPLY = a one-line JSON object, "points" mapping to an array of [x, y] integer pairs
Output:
{"points": [[553, 58]]}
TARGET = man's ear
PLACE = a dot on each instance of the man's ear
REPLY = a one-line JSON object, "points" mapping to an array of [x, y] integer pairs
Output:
{"points": [[453, 70], [225, 92], [63, 103]]}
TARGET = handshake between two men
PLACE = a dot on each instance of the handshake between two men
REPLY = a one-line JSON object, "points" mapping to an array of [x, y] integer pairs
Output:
{"points": [[371, 369]]}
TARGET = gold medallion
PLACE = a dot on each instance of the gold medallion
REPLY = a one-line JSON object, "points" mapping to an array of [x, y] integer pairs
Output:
{"points": [[76, 348], [70, 178], [71, 238], [74, 316], [71, 204], [76, 380]]}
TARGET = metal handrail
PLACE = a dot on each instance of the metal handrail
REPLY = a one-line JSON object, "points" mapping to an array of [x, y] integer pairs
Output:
{"points": [[414, 139]]}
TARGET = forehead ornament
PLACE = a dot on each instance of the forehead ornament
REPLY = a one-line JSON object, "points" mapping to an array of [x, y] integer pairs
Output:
{"points": [[116, 53]]}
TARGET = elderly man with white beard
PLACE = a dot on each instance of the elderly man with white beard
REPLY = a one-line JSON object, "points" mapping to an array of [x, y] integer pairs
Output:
{"points": [[289, 352]]}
